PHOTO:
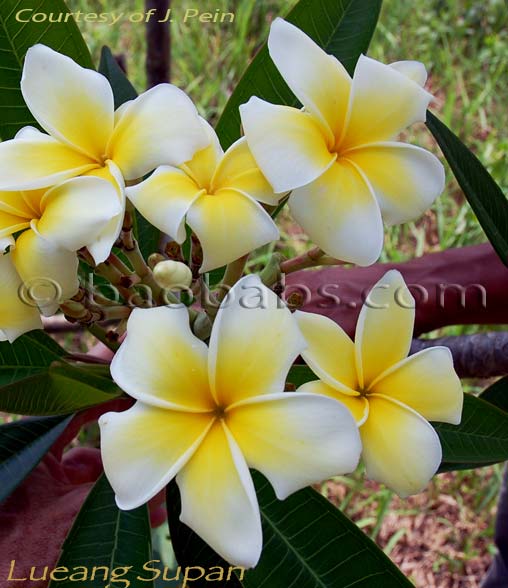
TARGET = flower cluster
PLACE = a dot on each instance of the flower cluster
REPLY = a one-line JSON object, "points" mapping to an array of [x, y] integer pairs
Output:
{"points": [[205, 414]]}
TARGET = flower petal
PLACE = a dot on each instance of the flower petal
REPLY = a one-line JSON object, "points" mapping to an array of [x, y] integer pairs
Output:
{"points": [[400, 448], [76, 211], [288, 145], [10, 224], [318, 80], [357, 405], [14, 203], [406, 179], [73, 104], [49, 272], [202, 166], [145, 447], [5, 243], [27, 164], [295, 439], [219, 501], [427, 383], [340, 214], [16, 317], [254, 341], [103, 243], [160, 127], [164, 199], [330, 353], [229, 224], [162, 363], [414, 70], [385, 327], [238, 170], [399, 102]]}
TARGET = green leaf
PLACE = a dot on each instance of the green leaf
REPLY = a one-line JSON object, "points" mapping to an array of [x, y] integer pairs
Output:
{"points": [[497, 394], [483, 194], [22, 446], [35, 381], [103, 535], [30, 354], [59, 390], [147, 235], [123, 90], [190, 550], [480, 439], [307, 542], [15, 39], [301, 374], [342, 28]]}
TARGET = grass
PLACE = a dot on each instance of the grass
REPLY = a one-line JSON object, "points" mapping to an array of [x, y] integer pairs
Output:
{"points": [[464, 44]]}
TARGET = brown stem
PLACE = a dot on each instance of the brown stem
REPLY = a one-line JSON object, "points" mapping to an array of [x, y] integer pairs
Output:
{"points": [[158, 49], [87, 358], [482, 355]]}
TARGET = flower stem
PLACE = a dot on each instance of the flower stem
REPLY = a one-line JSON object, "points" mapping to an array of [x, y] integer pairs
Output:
{"points": [[108, 338], [234, 271], [312, 258]]}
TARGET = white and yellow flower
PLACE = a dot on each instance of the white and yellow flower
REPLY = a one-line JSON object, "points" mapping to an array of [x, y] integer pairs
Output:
{"points": [[85, 135], [339, 154], [16, 316], [205, 415], [391, 396], [51, 226], [218, 195]]}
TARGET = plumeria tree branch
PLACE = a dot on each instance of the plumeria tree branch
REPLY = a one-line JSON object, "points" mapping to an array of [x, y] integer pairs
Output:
{"points": [[482, 355]]}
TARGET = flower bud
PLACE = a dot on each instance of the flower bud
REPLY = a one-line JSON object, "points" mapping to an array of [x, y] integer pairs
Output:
{"points": [[172, 275], [154, 259]]}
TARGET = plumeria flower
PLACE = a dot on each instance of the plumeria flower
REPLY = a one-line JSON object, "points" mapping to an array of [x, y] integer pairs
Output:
{"points": [[16, 317], [218, 195], [51, 226], [205, 415], [339, 154], [85, 135], [391, 396]]}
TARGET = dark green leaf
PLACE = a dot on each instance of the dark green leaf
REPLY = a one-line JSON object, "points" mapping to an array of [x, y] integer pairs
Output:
{"points": [[191, 550], [342, 28], [301, 374], [123, 90], [103, 535], [216, 276], [497, 394], [483, 194], [22, 446], [59, 390], [307, 542], [30, 354], [480, 439], [15, 39], [35, 381], [147, 235]]}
